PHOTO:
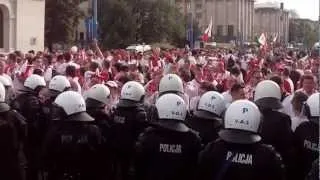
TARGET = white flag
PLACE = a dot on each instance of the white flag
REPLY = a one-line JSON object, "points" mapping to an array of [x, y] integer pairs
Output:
{"points": [[262, 39]]}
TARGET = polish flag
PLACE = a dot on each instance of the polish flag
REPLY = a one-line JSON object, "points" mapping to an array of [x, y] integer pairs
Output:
{"points": [[207, 33]]}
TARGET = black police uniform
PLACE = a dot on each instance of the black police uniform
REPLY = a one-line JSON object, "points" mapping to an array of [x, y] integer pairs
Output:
{"points": [[222, 160], [12, 133], [72, 150], [307, 146], [163, 153], [97, 110], [276, 131], [206, 124], [128, 120], [29, 106]]}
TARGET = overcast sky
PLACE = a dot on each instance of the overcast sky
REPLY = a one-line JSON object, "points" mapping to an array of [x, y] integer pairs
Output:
{"points": [[305, 8]]}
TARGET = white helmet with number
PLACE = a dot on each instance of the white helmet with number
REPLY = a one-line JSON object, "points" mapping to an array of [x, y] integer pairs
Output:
{"points": [[6, 81], [59, 83], [268, 95], [210, 105], [34, 81], [172, 107], [241, 123], [132, 93], [3, 106], [99, 92], [313, 107], [72, 103], [170, 83]]}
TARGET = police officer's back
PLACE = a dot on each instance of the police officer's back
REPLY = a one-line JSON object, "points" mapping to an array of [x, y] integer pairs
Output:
{"points": [[12, 134], [169, 149], [97, 97], [28, 104], [206, 118], [307, 137], [72, 146], [127, 121], [239, 154], [276, 126], [57, 85]]}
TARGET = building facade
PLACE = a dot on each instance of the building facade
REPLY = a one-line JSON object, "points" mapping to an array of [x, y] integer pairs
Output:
{"points": [[22, 25], [273, 21], [233, 20]]}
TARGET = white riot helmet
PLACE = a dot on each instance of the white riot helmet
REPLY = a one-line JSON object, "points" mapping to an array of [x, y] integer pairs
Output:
{"points": [[132, 93], [211, 105], [3, 106], [59, 84], [241, 123], [171, 83], [312, 107], [172, 107], [72, 103], [99, 93], [268, 95], [6, 81], [34, 81]]}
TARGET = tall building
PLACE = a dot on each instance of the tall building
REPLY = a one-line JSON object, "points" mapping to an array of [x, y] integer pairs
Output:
{"points": [[22, 25], [272, 20], [232, 19]]}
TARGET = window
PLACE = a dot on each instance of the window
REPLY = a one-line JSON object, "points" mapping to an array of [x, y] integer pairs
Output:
{"points": [[230, 30], [81, 36], [198, 16], [219, 30], [198, 6]]}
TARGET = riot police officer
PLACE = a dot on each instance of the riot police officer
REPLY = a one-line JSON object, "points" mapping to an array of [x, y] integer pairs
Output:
{"points": [[207, 118], [239, 154], [97, 97], [28, 104], [307, 137], [7, 82], [170, 83], [71, 148], [169, 149], [57, 85], [128, 120], [13, 133], [276, 127]]}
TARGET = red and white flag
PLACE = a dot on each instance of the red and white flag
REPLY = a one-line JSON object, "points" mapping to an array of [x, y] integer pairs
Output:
{"points": [[208, 32]]}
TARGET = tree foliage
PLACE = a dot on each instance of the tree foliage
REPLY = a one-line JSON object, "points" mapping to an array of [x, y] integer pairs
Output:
{"points": [[61, 19], [125, 22], [303, 31]]}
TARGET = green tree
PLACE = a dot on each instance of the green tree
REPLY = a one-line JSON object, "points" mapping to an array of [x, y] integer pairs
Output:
{"points": [[136, 21], [302, 31], [61, 19], [117, 24]]}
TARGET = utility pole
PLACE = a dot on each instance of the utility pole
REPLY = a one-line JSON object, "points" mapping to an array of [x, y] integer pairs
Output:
{"points": [[319, 28], [95, 19]]}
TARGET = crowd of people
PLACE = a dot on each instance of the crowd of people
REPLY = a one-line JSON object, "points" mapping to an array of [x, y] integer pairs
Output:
{"points": [[164, 114]]}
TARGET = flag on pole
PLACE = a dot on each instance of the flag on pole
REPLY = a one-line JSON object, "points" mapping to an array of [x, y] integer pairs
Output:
{"points": [[208, 32], [262, 39], [275, 37]]}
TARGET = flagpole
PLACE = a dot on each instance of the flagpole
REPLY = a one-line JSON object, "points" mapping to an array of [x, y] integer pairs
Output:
{"points": [[319, 27]]}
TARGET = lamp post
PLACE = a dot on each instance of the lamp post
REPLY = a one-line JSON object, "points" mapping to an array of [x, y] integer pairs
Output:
{"points": [[319, 28], [95, 19]]}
